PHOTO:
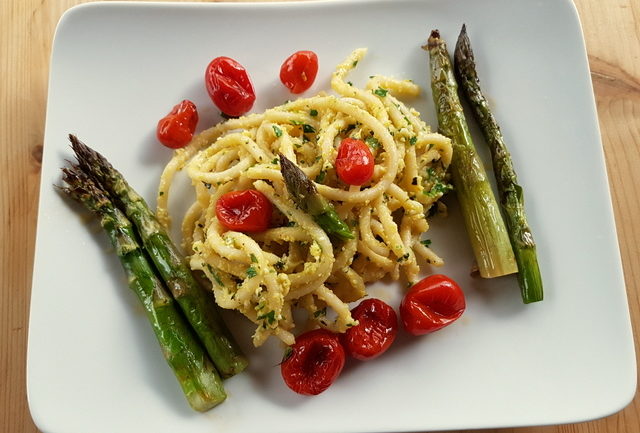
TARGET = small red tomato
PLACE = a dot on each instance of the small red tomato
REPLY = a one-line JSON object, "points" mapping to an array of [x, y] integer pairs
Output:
{"points": [[299, 71], [314, 362], [376, 329], [176, 129], [244, 211], [355, 162], [431, 304], [229, 86]]}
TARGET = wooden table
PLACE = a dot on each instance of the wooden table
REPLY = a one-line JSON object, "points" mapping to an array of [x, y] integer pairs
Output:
{"points": [[612, 35]]}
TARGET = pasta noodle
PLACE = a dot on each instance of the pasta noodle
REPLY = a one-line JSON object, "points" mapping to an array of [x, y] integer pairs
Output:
{"points": [[296, 264]]}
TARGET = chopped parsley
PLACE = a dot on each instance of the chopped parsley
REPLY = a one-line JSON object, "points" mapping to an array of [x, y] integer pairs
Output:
{"points": [[215, 276], [413, 140], [426, 242], [381, 92], [277, 130], [320, 313], [251, 272], [320, 177], [372, 142], [403, 258], [308, 129], [313, 113], [254, 259], [438, 188], [269, 317]]}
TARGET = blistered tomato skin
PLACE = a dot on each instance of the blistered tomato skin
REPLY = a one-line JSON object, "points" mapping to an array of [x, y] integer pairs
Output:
{"points": [[229, 86], [354, 162], [431, 304], [299, 71], [175, 130], [376, 329], [313, 362], [244, 211]]}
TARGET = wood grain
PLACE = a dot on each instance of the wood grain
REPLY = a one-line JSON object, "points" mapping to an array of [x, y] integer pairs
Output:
{"points": [[613, 42]]}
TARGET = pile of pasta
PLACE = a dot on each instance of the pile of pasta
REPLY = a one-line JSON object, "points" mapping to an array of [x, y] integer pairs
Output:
{"points": [[295, 264]]}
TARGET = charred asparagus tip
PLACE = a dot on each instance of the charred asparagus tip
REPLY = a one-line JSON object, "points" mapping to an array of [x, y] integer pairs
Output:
{"points": [[433, 41]]}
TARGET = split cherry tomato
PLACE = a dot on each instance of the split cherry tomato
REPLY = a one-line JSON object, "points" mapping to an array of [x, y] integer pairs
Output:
{"points": [[355, 162], [244, 211], [299, 71], [432, 304], [376, 329], [229, 86], [176, 129], [313, 362]]}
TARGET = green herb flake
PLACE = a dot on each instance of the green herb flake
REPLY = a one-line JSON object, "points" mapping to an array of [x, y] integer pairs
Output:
{"points": [[287, 353], [277, 130], [438, 188], [254, 259], [308, 129], [320, 177], [426, 242], [313, 113], [207, 185], [354, 64], [413, 140], [372, 142], [350, 83], [215, 275], [275, 161], [251, 272], [161, 193], [403, 258], [269, 317], [320, 313], [381, 92]]}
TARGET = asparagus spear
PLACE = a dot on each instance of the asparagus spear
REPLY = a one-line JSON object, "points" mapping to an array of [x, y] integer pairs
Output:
{"points": [[195, 372], [197, 305], [511, 194], [484, 223], [306, 196]]}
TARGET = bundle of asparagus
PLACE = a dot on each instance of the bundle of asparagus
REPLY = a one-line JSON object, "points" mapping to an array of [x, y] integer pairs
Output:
{"points": [[499, 248], [191, 347]]}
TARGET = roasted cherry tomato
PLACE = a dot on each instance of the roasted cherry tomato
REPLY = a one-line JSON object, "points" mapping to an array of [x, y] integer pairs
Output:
{"points": [[355, 162], [229, 86], [244, 211], [431, 304], [299, 71], [376, 329], [176, 129], [314, 362]]}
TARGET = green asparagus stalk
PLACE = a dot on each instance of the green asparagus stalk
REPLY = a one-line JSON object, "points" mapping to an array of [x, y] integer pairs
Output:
{"points": [[485, 227], [196, 303], [306, 196], [510, 192], [195, 372]]}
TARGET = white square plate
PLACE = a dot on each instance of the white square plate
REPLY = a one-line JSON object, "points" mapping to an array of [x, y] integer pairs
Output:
{"points": [[116, 68]]}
